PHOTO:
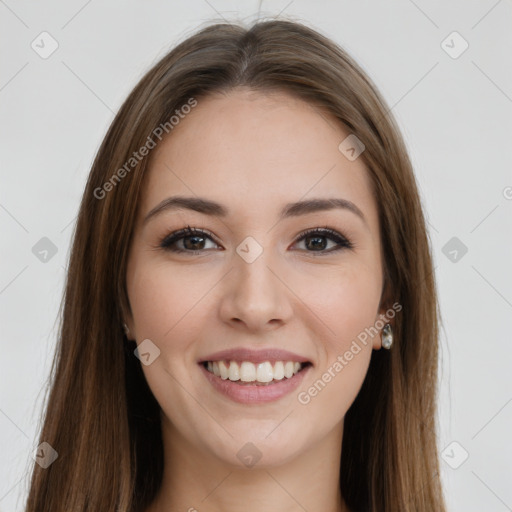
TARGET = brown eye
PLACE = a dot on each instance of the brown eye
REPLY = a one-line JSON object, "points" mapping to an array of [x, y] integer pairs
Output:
{"points": [[316, 240], [192, 240]]}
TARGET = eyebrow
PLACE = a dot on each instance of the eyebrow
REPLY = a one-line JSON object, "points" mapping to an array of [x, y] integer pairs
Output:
{"points": [[212, 208]]}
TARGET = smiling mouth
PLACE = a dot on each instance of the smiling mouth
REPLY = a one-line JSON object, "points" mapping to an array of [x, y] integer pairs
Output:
{"points": [[259, 374]]}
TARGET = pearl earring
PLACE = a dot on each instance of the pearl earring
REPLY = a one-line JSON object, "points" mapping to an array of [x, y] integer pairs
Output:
{"points": [[387, 336], [126, 329]]}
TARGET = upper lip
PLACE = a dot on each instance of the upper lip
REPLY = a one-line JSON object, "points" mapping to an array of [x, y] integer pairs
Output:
{"points": [[255, 356]]}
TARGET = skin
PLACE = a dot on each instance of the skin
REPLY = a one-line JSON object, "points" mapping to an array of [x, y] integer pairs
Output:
{"points": [[254, 152]]}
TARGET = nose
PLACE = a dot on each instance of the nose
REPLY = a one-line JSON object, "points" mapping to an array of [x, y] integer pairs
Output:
{"points": [[255, 296]]}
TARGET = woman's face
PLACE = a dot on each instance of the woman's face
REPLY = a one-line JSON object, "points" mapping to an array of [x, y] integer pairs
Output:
{"points": [[246, 289]]}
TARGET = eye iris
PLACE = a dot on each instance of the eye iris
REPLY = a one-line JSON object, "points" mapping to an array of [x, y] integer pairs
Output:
{"points": [[316, 245], [193, 237], [193, 241]]}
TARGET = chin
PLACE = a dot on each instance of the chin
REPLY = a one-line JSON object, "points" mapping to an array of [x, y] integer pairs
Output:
{"points": [[256, 449]]}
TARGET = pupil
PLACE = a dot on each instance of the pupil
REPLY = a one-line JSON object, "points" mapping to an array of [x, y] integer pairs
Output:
{"points": [[320, 245], [194, 237], [312, 242]]}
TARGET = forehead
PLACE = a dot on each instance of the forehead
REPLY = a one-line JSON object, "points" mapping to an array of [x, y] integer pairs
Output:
{"points": [[255, 152]]}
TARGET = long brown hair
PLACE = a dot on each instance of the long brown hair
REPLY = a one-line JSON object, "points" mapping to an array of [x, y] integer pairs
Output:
{"points": [[101, 416]]}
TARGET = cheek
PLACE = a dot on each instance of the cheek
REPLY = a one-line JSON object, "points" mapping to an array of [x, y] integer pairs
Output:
{"points": [[335, 387], [347, 308], [165, 305], [345, 304], [345, 301], [151, 300], [164, 301]]}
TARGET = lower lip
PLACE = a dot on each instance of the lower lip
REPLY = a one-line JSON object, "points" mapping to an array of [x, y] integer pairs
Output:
{"points": [[255, 394]]}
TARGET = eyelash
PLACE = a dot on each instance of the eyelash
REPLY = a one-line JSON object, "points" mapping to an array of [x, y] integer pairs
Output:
{"points": [[342, 241]]}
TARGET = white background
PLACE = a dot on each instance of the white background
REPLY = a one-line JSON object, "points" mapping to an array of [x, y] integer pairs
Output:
{"points": [[456, 116]]}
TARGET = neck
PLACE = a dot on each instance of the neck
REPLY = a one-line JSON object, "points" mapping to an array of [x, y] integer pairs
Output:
{"points": [[195, 481]]}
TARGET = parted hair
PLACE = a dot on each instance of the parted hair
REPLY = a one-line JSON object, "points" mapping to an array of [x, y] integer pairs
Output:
{"points": [[99, 413]]}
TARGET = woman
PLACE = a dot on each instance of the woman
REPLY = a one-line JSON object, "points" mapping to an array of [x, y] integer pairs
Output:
{"points": [[250, 315]]}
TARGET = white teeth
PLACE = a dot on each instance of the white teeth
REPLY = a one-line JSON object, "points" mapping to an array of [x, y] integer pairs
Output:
{"points": [[279, 370], [288, 369], [264, 372], [234, 371], [224, 372], [249, 372]]}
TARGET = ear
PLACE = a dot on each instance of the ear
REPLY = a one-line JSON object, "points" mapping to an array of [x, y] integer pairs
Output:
{"points": [[386, 312], [127, 318]]}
